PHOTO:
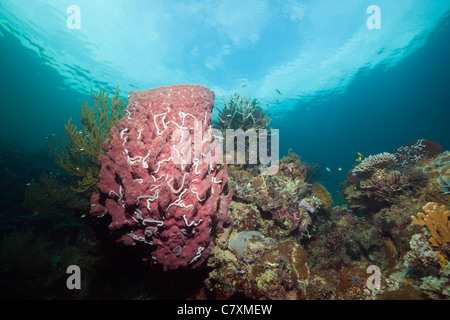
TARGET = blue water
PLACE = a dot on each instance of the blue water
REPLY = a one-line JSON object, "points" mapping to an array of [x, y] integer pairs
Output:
{"points": [[380, 110]]}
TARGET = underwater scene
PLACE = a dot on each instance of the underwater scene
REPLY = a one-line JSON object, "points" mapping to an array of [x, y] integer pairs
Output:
{"points": [[225, 150]]}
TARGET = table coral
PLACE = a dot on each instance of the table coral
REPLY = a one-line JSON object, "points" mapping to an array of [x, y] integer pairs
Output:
{"points": [[375, 166]]}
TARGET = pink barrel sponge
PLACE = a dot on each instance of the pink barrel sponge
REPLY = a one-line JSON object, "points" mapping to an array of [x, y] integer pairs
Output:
{"points": [[161, 180]]}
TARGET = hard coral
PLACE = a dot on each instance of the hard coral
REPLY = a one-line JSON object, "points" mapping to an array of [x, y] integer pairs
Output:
{"points": [[374, 166], [436, 219], [163, 190], [241, 113], [378, 182], [385, 189]]}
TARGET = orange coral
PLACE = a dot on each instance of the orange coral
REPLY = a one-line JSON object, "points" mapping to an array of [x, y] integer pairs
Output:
{"points": [[436, 219]]}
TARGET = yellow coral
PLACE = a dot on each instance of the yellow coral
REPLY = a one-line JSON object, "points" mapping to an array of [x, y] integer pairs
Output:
{"points": [[436, 219], [323, 194], [77, 153]]}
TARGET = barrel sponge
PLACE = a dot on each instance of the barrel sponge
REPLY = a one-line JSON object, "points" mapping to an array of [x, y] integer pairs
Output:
{"points": [[161, 187]]}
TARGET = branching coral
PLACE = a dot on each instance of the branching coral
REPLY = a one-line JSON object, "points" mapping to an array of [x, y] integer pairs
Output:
{"points": [[245, 117], [241, 113], [77, 152], [375, 166], [436, 219]]}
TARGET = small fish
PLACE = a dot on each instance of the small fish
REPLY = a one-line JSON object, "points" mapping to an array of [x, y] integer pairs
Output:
{"points": [[360, 154], [340, 169], [244, 85], [83, 216], [278, 91], [328, 169]]}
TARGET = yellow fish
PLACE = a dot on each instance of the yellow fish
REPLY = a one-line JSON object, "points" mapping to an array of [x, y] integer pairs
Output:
{"points": [[360, 157]]}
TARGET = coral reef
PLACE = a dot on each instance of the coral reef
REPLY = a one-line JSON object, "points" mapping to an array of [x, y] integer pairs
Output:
{"points": [[77, 152], [435, 168], [229, 231], [340, 242], [280, 205], [263, 269], [162, 190], [421, 256], [429, 269]]}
